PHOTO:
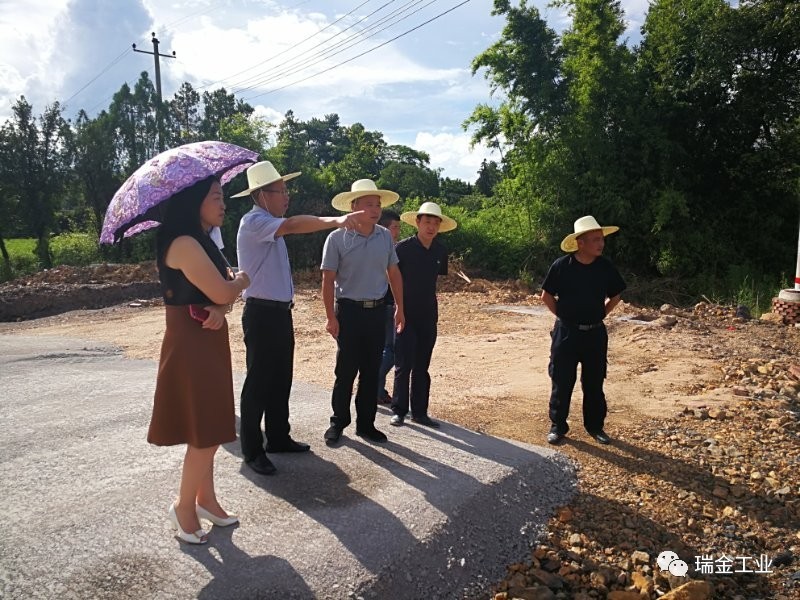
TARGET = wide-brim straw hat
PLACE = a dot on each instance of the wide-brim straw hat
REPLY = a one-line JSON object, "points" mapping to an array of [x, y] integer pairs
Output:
{"points": [[584, 225], [262, 174], [432, 209], [363, 187]]}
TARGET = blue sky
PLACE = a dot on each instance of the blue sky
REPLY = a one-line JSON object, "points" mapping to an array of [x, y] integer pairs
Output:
{"points": [[417, 89]]}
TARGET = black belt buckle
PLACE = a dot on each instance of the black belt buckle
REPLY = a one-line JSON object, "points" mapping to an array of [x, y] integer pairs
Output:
{"points": [[589, 327], [362, 303]]}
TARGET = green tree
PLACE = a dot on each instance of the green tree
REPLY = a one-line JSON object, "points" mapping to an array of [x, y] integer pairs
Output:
{"points": [[489, 175], [566, 106], [364, 158], [246, 131], [725, 84], [134, 116], [184, 116], [410, 181], [406, 171], [218, 106], [453, 190], [96, 167], [35, 168]]}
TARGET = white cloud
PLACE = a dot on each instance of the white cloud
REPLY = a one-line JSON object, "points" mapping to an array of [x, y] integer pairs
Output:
{"points": [[451, 152], [241, 59], [26, 37]]}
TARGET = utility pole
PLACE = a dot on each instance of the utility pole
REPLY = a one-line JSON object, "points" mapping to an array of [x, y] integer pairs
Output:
{"points": [[156, 54]]}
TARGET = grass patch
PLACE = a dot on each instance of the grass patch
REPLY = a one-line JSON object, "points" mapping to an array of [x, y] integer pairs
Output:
{"points": [[75, 249], [22, 258]]}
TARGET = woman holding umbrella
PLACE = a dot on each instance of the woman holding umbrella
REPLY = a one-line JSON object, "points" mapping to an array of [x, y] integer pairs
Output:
{"points": [[194, 392], [181, 189]]}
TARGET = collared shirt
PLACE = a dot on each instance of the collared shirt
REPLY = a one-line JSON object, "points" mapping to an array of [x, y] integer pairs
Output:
{"points": [[360, 262], [264, 257], [421, 267]]}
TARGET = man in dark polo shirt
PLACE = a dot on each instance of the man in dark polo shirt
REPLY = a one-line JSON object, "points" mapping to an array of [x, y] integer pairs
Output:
{"points": [[580, 289], [422, 258], [356, 265]]}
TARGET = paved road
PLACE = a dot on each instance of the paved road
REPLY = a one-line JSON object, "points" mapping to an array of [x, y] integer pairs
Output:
{"points": [[431, 514]]}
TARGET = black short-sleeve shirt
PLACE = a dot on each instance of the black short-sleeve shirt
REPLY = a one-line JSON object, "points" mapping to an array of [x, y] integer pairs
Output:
{"points": [[420, 267], [581, 290]]}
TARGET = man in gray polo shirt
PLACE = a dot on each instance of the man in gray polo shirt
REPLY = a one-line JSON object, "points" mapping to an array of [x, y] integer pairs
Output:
{"points": [[267, 317], [356, 264]]}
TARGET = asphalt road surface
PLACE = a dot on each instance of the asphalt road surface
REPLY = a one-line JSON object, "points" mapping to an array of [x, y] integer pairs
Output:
{"points": [[430, 514]]}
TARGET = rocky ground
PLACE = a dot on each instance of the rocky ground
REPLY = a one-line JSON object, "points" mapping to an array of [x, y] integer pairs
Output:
{"points": [[705, 416]]}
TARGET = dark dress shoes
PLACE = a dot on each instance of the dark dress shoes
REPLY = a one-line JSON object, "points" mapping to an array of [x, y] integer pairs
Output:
{"points": [[397, 420], [427, 421], [333, 434], [288, 445], [261, 465], [554, 437], [601, 437], [372, 434]]}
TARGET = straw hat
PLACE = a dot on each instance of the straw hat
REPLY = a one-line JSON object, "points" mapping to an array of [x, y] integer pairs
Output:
{"points": [[432, 209], [262, 174], [582, 225], [363, 187]]}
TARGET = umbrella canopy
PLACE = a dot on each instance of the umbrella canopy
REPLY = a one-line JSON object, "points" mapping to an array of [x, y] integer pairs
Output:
{"points": [[134, 208]]}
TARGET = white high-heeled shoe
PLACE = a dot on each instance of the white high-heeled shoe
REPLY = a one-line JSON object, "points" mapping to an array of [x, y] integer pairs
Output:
{"points": [[202, 513], [198, 537]]}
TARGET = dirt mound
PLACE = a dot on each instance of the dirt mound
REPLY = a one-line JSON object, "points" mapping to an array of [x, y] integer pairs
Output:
{"points": [[65, 288], [103, 273]]}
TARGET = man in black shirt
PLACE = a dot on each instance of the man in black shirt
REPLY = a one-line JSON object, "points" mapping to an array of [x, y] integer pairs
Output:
{"points": [[422, 259], [580, 289]]}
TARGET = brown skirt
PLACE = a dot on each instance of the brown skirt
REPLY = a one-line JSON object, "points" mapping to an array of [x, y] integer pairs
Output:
{"points": [[193, 402]]}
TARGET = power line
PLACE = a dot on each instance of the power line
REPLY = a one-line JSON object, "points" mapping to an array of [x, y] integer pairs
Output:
{"points": [[271, 58], [111, 64], [323, 54], [359, 55], [343, 45]]}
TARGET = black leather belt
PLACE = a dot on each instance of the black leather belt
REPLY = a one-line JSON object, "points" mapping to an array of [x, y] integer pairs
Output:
{"points": [[583, 327], [270, 303], [361, 303]]}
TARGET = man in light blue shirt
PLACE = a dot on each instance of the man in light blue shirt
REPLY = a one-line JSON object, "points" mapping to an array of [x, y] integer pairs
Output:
{"points": [[356, 264], [267, 317]]}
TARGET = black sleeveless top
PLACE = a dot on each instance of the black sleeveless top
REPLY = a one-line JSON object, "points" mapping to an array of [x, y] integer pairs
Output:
{"points": [[177, 290]]}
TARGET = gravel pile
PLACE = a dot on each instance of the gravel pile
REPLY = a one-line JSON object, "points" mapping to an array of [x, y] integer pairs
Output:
{"points": [[718, 483]]}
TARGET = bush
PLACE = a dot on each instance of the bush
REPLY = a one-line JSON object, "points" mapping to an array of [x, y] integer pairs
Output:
{"points": [[75, 249]]}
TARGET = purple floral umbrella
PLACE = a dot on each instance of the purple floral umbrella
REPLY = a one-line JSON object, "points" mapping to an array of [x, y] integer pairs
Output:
{"points": [[134, 208]]}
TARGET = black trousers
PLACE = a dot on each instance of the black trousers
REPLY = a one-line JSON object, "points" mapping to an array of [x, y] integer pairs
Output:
{"points": [[570, 347], [360, 347], [413, 348], [269, 339]]}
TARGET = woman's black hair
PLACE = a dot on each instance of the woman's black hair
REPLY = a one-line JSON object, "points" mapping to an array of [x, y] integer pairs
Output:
{"points": [[180, 215]]}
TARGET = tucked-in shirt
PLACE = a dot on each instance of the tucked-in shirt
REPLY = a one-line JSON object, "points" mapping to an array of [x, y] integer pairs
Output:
{"points": [[264, 257], [420, 267], [360, 262], [581, 290]]}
